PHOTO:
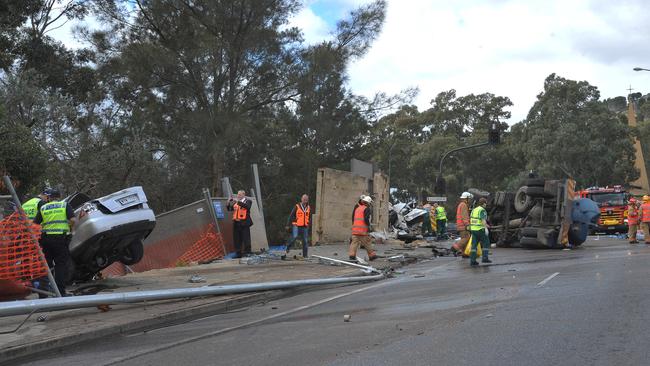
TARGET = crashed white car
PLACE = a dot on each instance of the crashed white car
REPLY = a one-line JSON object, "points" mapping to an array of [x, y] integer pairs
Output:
{"points": [[108, 229]]}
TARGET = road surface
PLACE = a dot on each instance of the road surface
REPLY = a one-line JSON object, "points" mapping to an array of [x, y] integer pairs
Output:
{"points": [[583, 307]]}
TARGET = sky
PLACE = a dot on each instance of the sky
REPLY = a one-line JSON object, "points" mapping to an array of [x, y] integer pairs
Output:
{"points": [[505, 47]]}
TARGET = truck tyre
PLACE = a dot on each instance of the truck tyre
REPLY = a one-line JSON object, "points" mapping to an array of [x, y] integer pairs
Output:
{"points": [[529, 232], [536, 192], [531, 243], [523, 202], [133, 253], [535, 182]]}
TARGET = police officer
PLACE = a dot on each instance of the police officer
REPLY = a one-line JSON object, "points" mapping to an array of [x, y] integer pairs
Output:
{"points": [[56, 219], [241, 223], [32, 206]]}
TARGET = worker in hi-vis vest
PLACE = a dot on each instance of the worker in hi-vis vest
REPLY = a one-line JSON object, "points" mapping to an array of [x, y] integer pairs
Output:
{"points": [[479, 228], [300, 218]]}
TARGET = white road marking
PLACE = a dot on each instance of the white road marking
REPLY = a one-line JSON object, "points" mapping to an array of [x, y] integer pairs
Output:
{"points": [[545, 281]]}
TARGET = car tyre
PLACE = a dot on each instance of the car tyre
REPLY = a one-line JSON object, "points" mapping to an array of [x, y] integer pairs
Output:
{"points": [[133, 253]]}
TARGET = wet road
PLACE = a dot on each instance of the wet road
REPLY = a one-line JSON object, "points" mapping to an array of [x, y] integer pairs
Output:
{"points": [[582, 307]]}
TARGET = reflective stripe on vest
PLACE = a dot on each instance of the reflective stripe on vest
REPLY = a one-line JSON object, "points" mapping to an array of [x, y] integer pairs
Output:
{"points": [[460, 210], [302, 216], [645, 212], [359, 226], [240, 213], [440, 213], [31, 208], [632, 215], [475, 222], [55, 218]]}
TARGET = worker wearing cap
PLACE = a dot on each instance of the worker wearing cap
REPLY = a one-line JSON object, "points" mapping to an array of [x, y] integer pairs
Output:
{"points": [[645, 218], [478, 227], [241, 223], [441, 220], [56, 220], [361, 229], [32, 206], [462, 223], [632, 220], [300, 218]]}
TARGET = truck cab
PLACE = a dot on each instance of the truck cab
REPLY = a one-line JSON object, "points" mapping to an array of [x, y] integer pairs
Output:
{"points": [[612, 202]]}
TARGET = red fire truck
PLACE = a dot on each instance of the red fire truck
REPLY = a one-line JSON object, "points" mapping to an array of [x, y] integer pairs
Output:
{"points": [[613, 207]]}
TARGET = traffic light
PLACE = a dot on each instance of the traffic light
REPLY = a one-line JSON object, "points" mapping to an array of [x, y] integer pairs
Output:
{"points": [[494, 135]]}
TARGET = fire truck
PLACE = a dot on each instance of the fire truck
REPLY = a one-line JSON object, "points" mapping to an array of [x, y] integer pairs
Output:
{"points": [[613, 207]]}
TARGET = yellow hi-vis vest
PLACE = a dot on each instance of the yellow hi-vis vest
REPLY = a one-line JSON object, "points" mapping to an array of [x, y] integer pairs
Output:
{"points": [[475, 222], [31, 208], [440, 213], [55, 219]]}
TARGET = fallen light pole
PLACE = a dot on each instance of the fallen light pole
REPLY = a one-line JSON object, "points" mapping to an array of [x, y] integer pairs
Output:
{"points": [[366, 269], [75, 302]]}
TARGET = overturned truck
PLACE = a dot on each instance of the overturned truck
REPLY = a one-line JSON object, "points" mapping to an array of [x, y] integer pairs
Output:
{"points": [[541, 214]]}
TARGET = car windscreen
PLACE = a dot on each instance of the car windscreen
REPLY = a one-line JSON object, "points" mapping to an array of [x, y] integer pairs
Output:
{"points": [[608, 199]]}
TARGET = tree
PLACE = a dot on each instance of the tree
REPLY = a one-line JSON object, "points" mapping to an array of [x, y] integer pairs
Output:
{"points": [[570, 132]]}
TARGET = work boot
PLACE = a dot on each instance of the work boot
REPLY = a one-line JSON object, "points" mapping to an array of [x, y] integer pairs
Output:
{"points": [[473, 263], [352, 258], [372, 257], [485, 260]]}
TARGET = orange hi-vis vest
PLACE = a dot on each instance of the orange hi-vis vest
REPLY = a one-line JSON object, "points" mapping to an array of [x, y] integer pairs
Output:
{"points": [[302, 216], [359, 227], [645, 212], [460, 224], [240, 213], [632, 215]]}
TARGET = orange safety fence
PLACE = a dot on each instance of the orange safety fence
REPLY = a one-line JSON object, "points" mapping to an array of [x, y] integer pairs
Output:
{"points": [[199, 244], [20, 258]]}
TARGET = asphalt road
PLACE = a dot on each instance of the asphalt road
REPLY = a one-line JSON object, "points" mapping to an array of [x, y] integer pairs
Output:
{"points": [[583, 307]]}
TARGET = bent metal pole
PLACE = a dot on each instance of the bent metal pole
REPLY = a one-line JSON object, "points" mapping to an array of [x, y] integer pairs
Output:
{"points": [[74, 302]]}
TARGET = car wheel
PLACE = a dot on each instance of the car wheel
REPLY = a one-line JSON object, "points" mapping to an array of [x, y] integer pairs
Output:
{"points": [[531, 243], [535, 182], [133, 253], [523, 202], [529, 232]]}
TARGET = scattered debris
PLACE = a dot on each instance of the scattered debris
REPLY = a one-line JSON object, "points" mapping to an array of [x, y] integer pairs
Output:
{"points": [[104, 308], [346, 318], [41, 318], [397, 258], [419, 275], [489, 316], [196, 279]]}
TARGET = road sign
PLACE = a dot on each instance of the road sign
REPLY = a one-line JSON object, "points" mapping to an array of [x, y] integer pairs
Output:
{"points": [[436, 199]]}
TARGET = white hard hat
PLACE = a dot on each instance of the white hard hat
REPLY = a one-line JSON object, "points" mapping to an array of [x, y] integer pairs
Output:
{"points": [[466, 195], [366, 199]]}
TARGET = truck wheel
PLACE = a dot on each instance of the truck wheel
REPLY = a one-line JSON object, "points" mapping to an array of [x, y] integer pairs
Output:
{"points": [[133, 253], [529, 232], [523, 202], [536, 192], [531, 243], [535, 182]]}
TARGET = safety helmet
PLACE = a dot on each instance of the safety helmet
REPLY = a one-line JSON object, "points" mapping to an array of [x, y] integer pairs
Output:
{"points": [[366, 199], [466, 195]]}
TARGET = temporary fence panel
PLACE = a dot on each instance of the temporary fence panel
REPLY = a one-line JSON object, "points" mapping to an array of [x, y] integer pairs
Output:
{"points": [[183, 235], [19, 249]]}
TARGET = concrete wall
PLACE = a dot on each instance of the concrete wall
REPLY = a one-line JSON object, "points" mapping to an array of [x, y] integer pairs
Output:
{"points": [[336, 194]]}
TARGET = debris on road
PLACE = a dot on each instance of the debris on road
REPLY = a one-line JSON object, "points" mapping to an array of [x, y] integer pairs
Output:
{"points": [[196, 279], [346, 318]]}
